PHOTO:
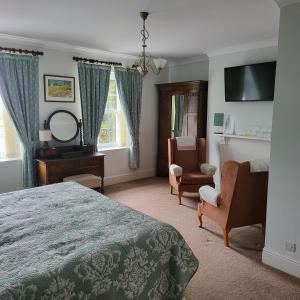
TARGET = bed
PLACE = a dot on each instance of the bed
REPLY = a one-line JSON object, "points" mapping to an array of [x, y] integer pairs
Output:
{"points": [[65, 241]]}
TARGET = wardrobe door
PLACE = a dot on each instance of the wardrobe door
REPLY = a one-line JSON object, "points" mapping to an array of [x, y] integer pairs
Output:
{"points": [[192, 114], [164, 131], [178, 115], [202, 110]]}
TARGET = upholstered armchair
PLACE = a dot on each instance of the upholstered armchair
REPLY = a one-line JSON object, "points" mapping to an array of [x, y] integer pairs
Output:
{"points": [[242, 199], [188, 170]]}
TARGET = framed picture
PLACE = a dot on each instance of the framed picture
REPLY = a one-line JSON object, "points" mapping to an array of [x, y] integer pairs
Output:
{"points": [[59, 88]]}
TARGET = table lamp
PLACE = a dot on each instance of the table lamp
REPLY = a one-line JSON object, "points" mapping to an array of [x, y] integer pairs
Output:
{"points": [[45, 136]]}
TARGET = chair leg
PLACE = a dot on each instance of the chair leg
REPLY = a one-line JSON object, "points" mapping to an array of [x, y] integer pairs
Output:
{"points": [[171, 190], [200, 220], [225, 235], [179, 197]]}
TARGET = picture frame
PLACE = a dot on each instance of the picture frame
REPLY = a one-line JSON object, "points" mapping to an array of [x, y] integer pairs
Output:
{"points": [[229, 125], [218, 123], [59, 88]]}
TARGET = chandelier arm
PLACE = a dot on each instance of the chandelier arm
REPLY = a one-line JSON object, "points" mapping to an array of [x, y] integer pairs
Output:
{"points": [[145, 62], [154, 69]]}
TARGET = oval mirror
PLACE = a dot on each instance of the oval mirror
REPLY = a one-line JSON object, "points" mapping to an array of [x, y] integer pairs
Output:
{"points": [[64, 126]]}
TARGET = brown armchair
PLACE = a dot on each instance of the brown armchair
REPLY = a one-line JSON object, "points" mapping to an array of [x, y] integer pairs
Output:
{"points": [[188, 170], [242, 200]]}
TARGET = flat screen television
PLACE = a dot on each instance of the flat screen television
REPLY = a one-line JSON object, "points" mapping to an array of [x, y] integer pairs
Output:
{"points": [[254, 82]]}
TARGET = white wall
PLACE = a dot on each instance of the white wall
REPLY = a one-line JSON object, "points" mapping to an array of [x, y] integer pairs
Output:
{"points": [[185, 70], [59, 62], [10, 175], [246, 115], [283, 212]]}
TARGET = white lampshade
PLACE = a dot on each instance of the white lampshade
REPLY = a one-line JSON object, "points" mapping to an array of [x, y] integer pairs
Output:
{"points": [[160, 63], [139, 68], [45, 135]]}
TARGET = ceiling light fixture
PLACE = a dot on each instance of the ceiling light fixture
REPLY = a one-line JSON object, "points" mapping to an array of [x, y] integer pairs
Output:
{"points": [[145, 62]]}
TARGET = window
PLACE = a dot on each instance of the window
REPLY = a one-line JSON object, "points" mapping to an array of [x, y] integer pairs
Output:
{"points": [[113, 127], [10, 146]]}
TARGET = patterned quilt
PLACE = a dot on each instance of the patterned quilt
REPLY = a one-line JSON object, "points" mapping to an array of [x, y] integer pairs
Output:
{"points": [[65, 241]]}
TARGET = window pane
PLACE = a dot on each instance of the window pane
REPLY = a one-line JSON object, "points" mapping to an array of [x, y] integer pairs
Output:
{"points": [[109, 124], [2, 145], [113, 127], [112, 96], [9, 141], [108, 129]]}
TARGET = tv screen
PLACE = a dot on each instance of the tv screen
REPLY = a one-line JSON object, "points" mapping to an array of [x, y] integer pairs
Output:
{"points": [[250, 83]]}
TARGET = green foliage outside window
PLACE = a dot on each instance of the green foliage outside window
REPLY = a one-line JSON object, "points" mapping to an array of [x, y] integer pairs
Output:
{"points": [[109, 124]]}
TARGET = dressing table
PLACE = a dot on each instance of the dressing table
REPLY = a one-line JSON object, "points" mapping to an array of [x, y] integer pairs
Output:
{"points": [[56, 163]]}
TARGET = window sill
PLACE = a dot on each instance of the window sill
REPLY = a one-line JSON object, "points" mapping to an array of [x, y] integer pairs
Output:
{"points": [[112, 148], [5, 159]]}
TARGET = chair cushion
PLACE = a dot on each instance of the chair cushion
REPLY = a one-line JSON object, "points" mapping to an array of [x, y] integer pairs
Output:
{"points": [[188, 160], [88, 180], [196, 178]]}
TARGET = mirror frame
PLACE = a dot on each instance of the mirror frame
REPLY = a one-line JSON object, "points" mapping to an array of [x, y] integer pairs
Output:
{"points": [[72, 115]]}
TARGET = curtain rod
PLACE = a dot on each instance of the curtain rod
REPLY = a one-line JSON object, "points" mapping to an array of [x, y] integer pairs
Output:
{"points": [[95, 61], [21, 51]]}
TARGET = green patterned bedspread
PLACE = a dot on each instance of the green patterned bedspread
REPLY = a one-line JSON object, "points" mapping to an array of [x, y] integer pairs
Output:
{"points": [[65, 241]]}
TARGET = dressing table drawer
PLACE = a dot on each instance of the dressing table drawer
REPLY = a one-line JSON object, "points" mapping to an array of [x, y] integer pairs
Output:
{"points": [[54, 170]]}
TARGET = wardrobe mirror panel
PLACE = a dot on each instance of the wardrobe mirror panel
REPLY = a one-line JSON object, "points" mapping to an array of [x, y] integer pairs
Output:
{"points": [[177, 116]]}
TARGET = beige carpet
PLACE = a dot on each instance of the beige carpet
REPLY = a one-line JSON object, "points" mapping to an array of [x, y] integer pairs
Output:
{"points": [[224, 273]]}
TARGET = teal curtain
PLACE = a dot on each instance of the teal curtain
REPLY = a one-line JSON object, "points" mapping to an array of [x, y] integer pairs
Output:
{"points": [[93, 84], [19, 88], [130, 83], [179, 114]]}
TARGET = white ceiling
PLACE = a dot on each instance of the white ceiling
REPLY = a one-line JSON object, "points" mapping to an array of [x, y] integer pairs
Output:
{"points": [[178, 28]]}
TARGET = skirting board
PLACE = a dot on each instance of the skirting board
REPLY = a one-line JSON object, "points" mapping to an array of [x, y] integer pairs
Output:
{"points": [[139, 174], [281, 262]]}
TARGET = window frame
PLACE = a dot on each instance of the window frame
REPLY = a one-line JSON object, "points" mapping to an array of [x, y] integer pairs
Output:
{"points": [[120, 122], [4, 116]]}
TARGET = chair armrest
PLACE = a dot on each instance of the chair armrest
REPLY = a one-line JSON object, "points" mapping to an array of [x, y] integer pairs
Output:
{"points": [[208, 169], [175, 170], [209, 195]]}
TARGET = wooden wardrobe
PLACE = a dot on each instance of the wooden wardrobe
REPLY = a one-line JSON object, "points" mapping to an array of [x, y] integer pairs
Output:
{"points": [[192, 96]]}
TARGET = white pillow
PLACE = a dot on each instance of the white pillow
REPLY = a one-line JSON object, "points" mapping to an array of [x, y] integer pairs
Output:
{"points": [[186, 143], [259, 165]]}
